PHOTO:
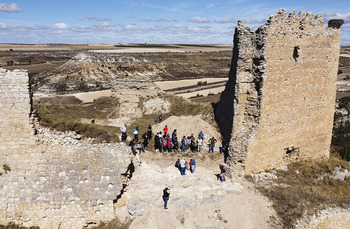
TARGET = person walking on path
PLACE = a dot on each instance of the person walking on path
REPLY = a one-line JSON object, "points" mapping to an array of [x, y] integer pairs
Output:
{"points": [[212, 142], [222, 173], [183, 166], [166, 194], [123, 130]]}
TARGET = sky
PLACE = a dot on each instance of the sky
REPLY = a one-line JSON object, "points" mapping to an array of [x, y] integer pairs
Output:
{"points": [[153, 21]]}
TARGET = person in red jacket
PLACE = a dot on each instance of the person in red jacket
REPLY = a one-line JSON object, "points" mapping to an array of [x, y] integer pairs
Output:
{"points": [[165, 130]]}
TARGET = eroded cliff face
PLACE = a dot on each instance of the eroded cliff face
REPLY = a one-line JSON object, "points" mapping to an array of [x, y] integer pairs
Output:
{"points": [[278, 104], [54, 180]]}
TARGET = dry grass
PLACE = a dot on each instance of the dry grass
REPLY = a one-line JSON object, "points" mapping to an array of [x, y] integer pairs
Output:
{"points": [[179, 107], [63, 117], [300, 189], [15, 226], [114, 224]]}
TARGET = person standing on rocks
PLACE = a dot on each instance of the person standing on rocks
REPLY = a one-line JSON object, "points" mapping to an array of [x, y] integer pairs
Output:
{"points": [[173, 135], [212, 142], [166, 194], [177, 165], [176, 145], [123, 130], [183, 144], [136, 155], [222, 173], [199, 144], [201, 135], [136, 133], [183, 166], [149, 132], [193, 165], [156, 142], [165, 130]]}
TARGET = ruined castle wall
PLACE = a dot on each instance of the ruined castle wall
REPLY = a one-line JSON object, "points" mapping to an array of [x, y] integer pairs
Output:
{"points": [[283, 110], [16, 131], [56, 181], [298, 94]]}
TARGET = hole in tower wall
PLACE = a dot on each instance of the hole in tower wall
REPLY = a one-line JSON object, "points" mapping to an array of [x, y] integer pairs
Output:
{"points": [[296, 53]]}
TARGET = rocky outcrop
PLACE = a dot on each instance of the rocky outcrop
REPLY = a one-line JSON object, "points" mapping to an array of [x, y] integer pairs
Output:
{"points": [[278, 104], [97, 71]]}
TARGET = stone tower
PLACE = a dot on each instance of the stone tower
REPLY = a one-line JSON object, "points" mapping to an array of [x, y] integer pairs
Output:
{"points": [[278, 103]]}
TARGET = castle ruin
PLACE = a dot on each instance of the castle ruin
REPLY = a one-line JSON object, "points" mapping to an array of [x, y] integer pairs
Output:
{"points": [[47, 179], [278, 104]]}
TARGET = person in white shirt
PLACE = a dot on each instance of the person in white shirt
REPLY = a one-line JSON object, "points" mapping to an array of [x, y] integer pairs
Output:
{"points": [[183, 166], [123, 130]]}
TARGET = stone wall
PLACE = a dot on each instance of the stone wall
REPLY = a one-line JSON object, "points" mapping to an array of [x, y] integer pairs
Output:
{"points": [[278, 104], [56, 180], [16, 132]]}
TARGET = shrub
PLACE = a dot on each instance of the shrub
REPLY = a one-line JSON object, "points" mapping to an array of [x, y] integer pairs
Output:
{"points": [[340, 71], [205, 83], [114, 224], [6, 168], [199, 83], [61, 87]]}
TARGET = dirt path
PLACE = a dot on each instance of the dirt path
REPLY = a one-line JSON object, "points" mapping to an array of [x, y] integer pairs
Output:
{"points": [[197, 200]]}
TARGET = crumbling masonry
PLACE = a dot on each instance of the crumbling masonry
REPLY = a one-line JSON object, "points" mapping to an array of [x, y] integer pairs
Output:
{"points": [[278, 103], [55, 181]]}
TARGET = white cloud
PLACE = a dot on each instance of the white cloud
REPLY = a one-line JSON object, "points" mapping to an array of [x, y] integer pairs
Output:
{"points": [[227, 20], [93, 18], [146, 20], [177, 26], [9, 8], [131, 27], [60, 25], [2, 25], [254, 21], [203, 29], [346, 17], [160, 20], [167, 20], [199, 20]]}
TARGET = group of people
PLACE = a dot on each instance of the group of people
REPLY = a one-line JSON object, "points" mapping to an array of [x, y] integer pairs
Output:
{"points": [[135, 144], [183, 165], [164, 142]]}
